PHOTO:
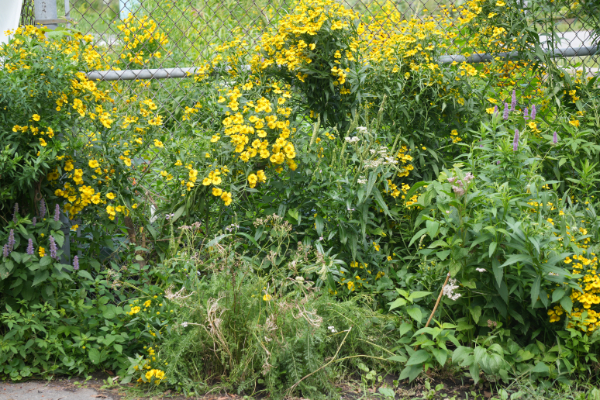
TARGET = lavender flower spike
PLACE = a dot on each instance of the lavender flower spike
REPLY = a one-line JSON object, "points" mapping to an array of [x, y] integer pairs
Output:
{"points": [[53, 247], [495, 110], [525, 114], [75, 263], [42, 208], [30, 247], [533, 111], [513, 103], [16, 213], [56, 213], [554, 138], [11, 240], [516, 140], [34, 221], [5, 251], [506, 110]]}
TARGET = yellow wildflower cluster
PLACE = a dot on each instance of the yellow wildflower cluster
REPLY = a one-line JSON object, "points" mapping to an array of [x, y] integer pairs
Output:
{"points": [[142, 40], [585, 314], [83, 175]]}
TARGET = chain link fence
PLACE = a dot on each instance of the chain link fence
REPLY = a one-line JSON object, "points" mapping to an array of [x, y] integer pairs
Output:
{"points": [[193, 29]]}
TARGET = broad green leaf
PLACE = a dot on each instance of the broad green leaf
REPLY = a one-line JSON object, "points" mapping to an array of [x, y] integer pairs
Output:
{"points": [[419, 357], [557, 295], [40, 277], [432, 228], [415, 313], [94, 355], [440, 355], [475, 313], [399, 302], [418, 295], [177, 214]]}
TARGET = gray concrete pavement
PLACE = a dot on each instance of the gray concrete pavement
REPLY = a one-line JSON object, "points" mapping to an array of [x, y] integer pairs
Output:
{"points": [[47, 391]]}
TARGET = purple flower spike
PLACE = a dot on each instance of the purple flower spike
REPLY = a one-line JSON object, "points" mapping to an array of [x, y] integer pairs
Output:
{"points": [[513, 103], [516, 140], [496, 110], [30, 247], [525, 114], [52, 247], [11, 240], [56, 213], [5, 251], [34, 221], [42, 208], [554, 138], [533, 111], [75, 263], [16, 213], [506, 111]]}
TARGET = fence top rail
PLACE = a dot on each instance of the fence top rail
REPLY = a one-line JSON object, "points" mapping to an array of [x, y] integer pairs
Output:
{"points": [[187, 72]]}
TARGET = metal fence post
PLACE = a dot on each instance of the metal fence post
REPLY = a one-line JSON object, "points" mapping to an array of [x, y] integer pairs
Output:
{"points": [[46, 13]]}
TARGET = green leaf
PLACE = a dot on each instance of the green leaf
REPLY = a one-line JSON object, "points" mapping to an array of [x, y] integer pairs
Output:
{"points": [[541, 368], [415, 313], [94, 355], [417, 236], [419, 357], [492, 248], [432, 228], [557, 295], [293, 213], [16, 256], [85, 274], [567, 304], [401, 359], [46, 260], [216, 240], [320, 224], [118, 348], [475, 313], [399, 302], [405, 327], [535, 290], [515, 258], [177, 214], [417, 295], [40, 277], [410, 372], [440, 355]]}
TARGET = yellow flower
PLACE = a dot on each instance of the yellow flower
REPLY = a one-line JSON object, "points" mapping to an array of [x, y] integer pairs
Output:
{"points": [[147, 303], [35, 117], [267, 297], [158, 143], [43, 142], [500, 3], [178, 163], [217, 192], [110, 195], [575, 123], [42, 252], [93, 164]]}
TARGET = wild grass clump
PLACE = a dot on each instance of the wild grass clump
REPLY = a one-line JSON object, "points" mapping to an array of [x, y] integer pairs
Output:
{"points": [[232, 334]]}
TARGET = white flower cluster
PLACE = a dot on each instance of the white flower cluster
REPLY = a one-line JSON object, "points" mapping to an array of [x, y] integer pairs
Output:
{"points": [[362, 129], [450, 288], [332, 329], [362, 180], [352, 139]]}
